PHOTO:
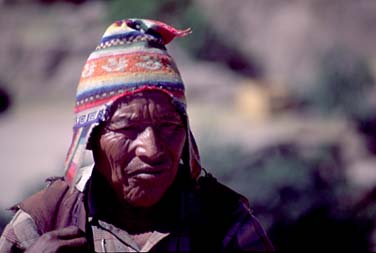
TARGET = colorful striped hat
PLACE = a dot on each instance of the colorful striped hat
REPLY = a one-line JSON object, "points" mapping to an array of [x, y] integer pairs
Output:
{"points": [[130, 58]]}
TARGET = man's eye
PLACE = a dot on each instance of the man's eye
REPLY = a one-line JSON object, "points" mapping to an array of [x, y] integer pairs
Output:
{"points": [[130, 129], [169, 127], [124, 129]]}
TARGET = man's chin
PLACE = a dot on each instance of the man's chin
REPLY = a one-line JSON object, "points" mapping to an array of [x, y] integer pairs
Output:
{"points": [[142, 199]]}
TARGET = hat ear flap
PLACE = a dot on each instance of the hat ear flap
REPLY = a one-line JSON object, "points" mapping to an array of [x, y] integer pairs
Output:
{"points": [[194, 159], [93, 138]]}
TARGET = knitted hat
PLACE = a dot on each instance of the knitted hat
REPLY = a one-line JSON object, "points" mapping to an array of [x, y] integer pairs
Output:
{"points": [[130, 58]]}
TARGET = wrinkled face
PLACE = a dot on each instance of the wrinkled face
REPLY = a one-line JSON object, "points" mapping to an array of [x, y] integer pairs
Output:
{"points": [[140, 148]]}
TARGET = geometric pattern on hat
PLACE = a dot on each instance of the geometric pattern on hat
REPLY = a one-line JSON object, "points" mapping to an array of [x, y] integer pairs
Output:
{"points": [[131, 57]]}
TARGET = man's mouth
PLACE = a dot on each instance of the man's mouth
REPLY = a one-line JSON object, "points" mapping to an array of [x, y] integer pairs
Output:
{"points": [[146, 173]]}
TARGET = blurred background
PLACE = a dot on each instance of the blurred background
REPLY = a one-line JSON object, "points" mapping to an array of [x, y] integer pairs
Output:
{"points": [[281, 98]]}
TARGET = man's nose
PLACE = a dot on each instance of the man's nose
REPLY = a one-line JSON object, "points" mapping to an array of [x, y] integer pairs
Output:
{"points": [[150, 146]]}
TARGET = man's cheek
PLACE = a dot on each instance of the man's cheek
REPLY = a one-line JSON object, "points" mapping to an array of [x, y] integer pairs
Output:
{"points": [[118, 153]]}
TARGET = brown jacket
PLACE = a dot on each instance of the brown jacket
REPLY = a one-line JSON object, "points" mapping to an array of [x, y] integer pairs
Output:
{"points": [[222, 220]]}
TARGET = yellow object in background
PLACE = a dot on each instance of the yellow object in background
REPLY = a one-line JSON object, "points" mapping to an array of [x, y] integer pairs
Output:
{"points": [[253, 101]]}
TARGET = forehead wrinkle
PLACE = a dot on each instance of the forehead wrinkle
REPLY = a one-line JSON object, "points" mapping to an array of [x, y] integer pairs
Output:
{"points": [[163, 111], [146, 114], [149, 108], [125, 109], [168, 116]]}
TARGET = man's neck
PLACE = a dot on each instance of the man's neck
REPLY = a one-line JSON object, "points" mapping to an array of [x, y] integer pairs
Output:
{"points": [[105, 206]]}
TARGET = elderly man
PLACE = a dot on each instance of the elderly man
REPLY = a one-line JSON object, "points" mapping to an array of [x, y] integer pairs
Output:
{"points": [[145, 191]]}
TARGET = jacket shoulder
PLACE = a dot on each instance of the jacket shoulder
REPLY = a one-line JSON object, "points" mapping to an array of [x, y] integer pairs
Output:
{"points": [[51, 207], [221, 197], [231, 213]]}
